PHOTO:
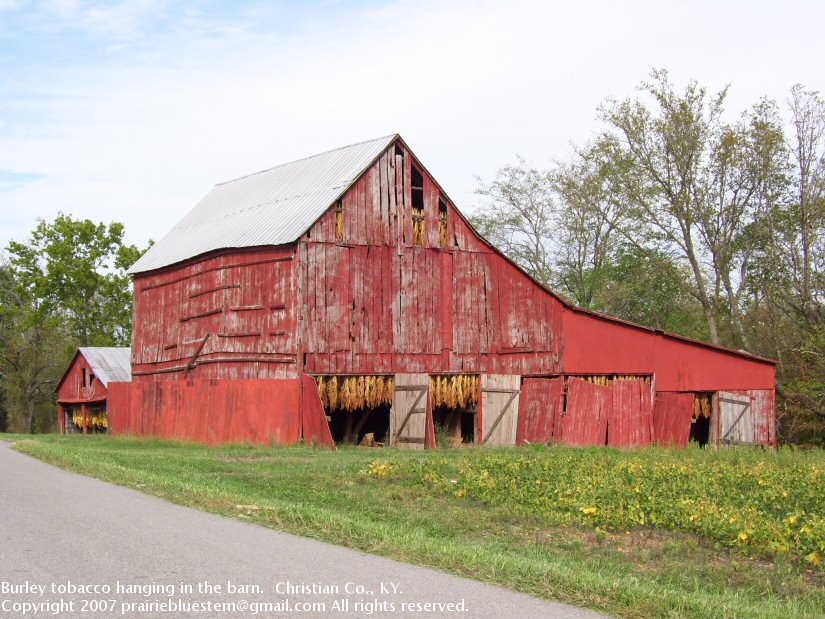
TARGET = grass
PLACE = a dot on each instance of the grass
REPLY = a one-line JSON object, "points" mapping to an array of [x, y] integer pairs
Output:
{"points": [[438, 508]]}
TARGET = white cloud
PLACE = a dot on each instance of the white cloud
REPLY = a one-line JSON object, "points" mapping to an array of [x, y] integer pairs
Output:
{"points": [[140, 137]]}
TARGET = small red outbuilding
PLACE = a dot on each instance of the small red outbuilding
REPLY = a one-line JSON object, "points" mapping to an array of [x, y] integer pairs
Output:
{"points": [[88, 387]]}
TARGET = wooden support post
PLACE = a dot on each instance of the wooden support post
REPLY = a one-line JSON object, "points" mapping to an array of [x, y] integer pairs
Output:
{"points": [[85, 408], [61, 418]]}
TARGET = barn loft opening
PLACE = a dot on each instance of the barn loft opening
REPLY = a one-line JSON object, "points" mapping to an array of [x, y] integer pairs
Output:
{"points": [[443, 213], [454, 401], [700, 423], [339, 220], [417, 193], [357, 407]]}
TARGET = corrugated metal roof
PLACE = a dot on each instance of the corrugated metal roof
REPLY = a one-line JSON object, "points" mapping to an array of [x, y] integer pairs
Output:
{"points": [[272, 207], [109, 364]]}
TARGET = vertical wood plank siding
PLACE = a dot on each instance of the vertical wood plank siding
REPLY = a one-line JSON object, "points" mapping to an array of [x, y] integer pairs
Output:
{"points": [[374, 302], [540, 409], [630, 420], [672, 413], [584, 422]]}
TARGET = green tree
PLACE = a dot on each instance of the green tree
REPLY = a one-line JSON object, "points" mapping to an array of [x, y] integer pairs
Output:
{"points": [[34, 350], [647, 286], [518, 216], [77, 269]]}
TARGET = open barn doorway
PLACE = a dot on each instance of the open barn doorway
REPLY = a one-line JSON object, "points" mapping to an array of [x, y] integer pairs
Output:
{"points": [[702, 413], [357, 408], [454, 401]]}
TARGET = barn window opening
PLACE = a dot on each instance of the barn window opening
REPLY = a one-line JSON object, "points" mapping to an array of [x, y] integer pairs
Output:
{"points": [[443, 233], [83, 379], [454, 401], [417, 188], [700, 423], [357, 408], [339, 221], [91, 378]]}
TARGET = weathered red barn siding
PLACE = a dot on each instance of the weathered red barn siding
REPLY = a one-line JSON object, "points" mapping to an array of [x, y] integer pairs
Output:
{"points": [[374, 302], [584, 421], [540, 409], [762, 416], [244, 301], [598, 345], [314, 426], [118, 403], [213, 410], [630, 418], [672, 414], [215, 350]]}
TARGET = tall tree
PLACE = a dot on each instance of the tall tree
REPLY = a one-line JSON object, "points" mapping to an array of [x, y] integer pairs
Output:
{"points": [[518, 216], [78, 268], [668, 147], [808, 148], [34, 349], [590, 219]]}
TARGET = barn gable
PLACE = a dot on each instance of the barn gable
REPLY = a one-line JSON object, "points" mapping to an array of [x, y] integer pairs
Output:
{"points": [[271, 207]]}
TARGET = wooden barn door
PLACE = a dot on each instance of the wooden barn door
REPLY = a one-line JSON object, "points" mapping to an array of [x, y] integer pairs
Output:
{"points": [[540, 405], [630, 417], [735, 419], [409, 417], [499, 407], [672, 414], [584, 421]]}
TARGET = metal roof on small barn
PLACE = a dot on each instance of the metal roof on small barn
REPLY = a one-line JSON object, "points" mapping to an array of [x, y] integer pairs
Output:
{"points": [[272, 207], [109, 364]]}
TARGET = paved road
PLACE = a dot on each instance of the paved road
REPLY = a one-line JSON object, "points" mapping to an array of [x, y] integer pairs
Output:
{"points": [[68, 531]]}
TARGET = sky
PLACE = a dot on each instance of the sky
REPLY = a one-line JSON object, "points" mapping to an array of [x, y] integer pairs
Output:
{"points": [[132, 111]]}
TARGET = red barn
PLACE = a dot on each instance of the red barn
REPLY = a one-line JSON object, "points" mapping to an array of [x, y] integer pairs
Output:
{"points": [[85, 389], [344, 297]]}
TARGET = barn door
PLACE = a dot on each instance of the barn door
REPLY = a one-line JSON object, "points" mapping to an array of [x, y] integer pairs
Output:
{"points": [[540, 405], [672, 414], [630, 420], [735, 419], [408, 421], [499, 407], [584, 421]]}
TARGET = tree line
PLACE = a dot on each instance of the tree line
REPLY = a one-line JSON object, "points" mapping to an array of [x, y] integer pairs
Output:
{"points": [[676, 217], [65, 287]]}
